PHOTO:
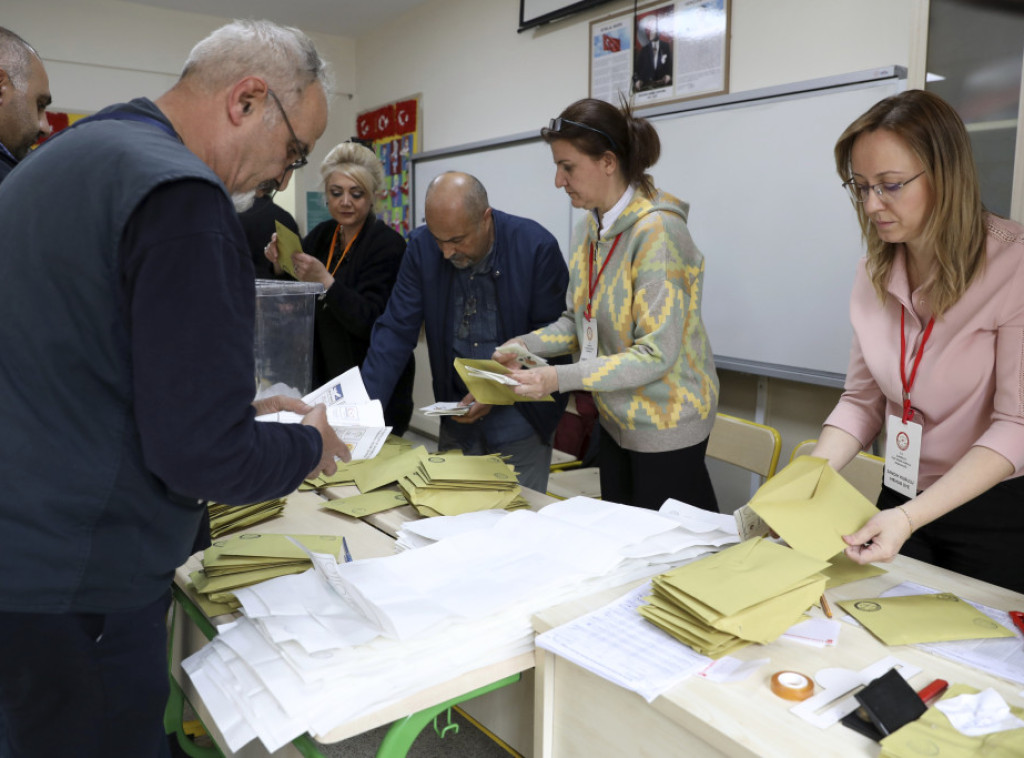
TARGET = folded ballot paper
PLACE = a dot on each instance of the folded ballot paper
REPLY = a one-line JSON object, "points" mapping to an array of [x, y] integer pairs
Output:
{"points": [[488, 382], [811, 507], [750, 592], [357, 420]]}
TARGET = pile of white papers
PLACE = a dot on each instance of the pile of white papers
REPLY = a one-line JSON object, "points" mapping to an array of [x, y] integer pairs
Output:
{"points": [[318, 649], [356, 419]]}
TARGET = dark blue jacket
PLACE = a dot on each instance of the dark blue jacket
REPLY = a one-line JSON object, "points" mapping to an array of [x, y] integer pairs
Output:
{"points": [[530, 278], [127, 371]]}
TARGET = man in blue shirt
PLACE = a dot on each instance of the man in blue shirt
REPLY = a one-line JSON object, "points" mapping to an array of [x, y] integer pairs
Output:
{"points": [[474, 277]]}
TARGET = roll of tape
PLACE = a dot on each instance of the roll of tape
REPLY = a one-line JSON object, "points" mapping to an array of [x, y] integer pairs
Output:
{"points": [[789, 685]]}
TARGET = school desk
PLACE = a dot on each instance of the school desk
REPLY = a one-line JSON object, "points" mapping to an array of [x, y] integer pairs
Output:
{"points": [[581, 714]]}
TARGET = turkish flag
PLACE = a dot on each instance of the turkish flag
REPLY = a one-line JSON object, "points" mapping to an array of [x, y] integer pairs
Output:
{"points": [[611, 44], [405, 116]]}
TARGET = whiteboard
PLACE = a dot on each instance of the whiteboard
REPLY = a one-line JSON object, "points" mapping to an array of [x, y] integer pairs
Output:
{"points": [[778, 233]]}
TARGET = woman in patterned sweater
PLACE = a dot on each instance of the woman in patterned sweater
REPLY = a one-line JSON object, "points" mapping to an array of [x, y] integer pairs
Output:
{"points": [[632, 312]]}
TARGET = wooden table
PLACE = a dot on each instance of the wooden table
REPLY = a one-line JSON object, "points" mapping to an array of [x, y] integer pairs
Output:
{"points": [[304, 514], [581, 714]]}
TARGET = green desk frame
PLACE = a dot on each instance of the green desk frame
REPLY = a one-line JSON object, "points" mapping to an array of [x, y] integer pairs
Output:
{"points": [[396, 743]]}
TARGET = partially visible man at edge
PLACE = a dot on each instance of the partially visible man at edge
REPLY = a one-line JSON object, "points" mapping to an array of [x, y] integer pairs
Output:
{"points": [[126, 314], [24, 98]]}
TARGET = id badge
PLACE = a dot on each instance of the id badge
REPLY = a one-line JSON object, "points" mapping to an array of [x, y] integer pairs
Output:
{"points": [[588, 348], [902, 455]]}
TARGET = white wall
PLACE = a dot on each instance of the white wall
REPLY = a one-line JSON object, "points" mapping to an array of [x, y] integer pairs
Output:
{"points": [[99, 52], [479, 79]]}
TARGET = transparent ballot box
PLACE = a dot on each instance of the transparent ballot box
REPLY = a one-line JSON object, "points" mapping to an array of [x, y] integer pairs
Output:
{"points": [[284, 336]]}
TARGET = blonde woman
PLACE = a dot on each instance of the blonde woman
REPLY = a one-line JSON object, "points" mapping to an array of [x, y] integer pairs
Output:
{"points": [[356, 256], [941, 291]]}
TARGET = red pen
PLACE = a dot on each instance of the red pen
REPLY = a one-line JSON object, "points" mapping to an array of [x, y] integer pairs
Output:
{"points": [[932, 691], [1017, 617]]}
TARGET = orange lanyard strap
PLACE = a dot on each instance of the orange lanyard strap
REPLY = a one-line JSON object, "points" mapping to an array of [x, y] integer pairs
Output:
{"points": [[330, 255]]}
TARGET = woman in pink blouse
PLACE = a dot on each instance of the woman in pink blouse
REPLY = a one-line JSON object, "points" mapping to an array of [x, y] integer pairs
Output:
{"points": [[941, 291]]}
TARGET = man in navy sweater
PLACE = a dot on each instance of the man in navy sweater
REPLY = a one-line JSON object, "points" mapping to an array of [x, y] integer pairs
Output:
{"points": [[472, 277], [126, 314]]}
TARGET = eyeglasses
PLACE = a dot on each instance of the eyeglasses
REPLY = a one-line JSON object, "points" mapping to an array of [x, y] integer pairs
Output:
{"points": [[887, 191], [555, 125], [303, 155]]}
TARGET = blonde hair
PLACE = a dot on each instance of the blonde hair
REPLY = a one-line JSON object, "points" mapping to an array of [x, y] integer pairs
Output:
{"points": [[357, 162], [955, 229]]}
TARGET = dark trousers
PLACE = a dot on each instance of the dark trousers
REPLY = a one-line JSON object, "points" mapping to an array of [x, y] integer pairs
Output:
{"points": [[88, 685], [648, 479], [981, 539]]}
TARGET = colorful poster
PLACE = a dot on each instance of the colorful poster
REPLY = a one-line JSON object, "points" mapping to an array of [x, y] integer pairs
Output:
{"points": [[392, 130]]}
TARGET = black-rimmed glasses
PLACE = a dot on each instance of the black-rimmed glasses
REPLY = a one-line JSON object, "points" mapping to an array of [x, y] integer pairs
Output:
{"points": [[555, 125], [886, 191], [303, 155]]}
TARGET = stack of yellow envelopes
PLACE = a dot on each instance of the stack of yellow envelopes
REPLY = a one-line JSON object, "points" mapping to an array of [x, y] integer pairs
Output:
{"points": [[346, 473], [750, 592], [251, 558], [450, 483], [225, 519]]}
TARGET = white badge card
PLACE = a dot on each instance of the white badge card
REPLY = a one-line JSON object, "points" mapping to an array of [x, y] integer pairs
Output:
{"points": [[588, 347], [902, 455]]}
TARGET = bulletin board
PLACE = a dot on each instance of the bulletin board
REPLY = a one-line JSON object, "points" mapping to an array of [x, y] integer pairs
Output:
{"points": [[392, 129]]}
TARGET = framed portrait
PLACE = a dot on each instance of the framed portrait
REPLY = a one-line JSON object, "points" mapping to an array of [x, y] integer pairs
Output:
{"points": [[668, 51]]}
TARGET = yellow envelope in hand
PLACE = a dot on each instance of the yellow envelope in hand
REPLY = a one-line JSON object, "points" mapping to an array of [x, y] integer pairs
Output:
{"points": [[811, 507], [288, 244], [910, 619], [486, 391]]}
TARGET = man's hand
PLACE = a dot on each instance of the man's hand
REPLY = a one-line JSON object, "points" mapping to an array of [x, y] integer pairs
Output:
{"points": [[476, 411], [332, 446], [276, 403]]}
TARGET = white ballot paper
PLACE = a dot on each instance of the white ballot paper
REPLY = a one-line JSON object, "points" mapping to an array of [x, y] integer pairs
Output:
{"points": [[356, 419], [491, 376], [445, 409]]}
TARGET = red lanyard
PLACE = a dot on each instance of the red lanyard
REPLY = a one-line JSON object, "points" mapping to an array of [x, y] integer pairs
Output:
{"points": [[590, 273], [908, 412]]}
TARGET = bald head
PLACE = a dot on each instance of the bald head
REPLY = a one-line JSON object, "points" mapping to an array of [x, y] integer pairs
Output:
{"points": [[24, 95], [459, 218]]}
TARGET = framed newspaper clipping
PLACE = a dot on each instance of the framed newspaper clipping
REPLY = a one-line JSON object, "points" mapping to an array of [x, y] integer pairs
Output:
{"points": [[667, 51]]}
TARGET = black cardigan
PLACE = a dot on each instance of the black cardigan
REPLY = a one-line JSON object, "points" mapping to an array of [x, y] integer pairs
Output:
{"points": [[347, 313]]}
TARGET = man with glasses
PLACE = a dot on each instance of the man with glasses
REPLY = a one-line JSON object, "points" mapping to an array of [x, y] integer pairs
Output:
{"points": [[473, 276], [128, 369]]}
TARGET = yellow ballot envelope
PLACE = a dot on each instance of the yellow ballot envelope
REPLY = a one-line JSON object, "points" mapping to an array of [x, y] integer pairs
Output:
{"points": [[811, 507], [491, 391], [910, 619], [933, 734], [288, 244]]}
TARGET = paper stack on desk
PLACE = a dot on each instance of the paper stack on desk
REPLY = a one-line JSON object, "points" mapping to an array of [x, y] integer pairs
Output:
{"points": [[436, 484], [318, 649], [750, 592], [225, 519], [252, 558]]}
